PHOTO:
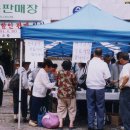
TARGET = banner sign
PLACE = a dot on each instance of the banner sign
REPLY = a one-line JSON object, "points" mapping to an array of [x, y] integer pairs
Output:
{"points": [[81, 52], [12, 29], [21, 10], [34, 50]]}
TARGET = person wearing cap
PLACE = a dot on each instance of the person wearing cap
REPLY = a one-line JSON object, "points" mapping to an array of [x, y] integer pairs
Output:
{"points": [[17, 64], [24, 90]]}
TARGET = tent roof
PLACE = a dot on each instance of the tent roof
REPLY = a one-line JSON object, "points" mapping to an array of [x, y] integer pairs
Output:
{"points": [[64, 49], [89, 24]]}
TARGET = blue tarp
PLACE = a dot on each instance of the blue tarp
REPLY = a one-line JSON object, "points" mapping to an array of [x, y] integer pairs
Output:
{"points": [[90, 24], [64, 49]]}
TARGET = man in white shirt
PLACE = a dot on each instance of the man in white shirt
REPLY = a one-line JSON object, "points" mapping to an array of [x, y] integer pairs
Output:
{"points": [[24, 90], [124, 85], [98, 72]]}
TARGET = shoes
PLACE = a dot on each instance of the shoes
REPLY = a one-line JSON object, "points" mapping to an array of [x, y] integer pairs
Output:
{"points": [[32, 123], [60, 128], [71, 128], [122, 128], [90, 128], [15, 118]]}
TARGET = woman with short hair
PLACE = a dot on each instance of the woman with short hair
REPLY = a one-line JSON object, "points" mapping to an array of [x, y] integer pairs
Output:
{"points": [[41, 85], [66, 94]]}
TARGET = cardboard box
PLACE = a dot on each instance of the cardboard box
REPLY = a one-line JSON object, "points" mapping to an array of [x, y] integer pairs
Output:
{"points": [[115, 120]]}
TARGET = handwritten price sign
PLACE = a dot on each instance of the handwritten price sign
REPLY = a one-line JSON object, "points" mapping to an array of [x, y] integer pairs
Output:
{"points": [[81, 52]]}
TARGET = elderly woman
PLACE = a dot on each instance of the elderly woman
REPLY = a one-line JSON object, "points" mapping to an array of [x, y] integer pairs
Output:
{"points": [[41, 85], [66, 94]]}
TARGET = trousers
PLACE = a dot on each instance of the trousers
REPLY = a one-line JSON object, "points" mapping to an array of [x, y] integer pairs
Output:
{"points": [[1, 92], [124, 107], [95, 104], [23, 102]]}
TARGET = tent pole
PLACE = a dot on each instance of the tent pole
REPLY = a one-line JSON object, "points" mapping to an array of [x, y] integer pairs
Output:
{"points": [[21, 56]]}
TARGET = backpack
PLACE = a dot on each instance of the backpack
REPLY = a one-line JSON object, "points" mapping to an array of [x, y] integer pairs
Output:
{"points": [[14, 82]]}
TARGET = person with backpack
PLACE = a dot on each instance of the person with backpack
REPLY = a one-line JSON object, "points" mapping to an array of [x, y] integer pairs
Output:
{"points": [[2, 82], [24, 90]]}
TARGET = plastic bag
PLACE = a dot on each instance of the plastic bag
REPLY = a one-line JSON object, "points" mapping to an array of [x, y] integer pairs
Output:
{"points": [[50, 120], [40, 116]]}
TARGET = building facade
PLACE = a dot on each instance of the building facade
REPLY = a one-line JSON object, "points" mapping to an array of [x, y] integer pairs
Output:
{"points": [[48, 11]]}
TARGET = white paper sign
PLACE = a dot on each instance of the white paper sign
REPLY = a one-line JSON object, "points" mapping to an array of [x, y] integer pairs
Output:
{"points": [[34, 51], [21, 10], [81, 52]]}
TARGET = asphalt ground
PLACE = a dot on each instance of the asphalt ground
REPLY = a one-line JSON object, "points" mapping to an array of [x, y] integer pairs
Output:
{"points": [[7, 123]]}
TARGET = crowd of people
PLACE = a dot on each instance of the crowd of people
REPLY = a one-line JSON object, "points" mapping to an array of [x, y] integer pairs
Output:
{"points": [[98, 72]]}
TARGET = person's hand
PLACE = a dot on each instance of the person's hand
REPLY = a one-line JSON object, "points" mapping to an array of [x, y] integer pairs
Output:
{"points": [[120, 87], [114, 81], [29, 92]]}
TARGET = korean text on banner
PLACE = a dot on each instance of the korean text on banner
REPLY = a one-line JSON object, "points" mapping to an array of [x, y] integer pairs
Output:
{"points": [[21, 10], [81, 52], [34, 51], [11, 29]]}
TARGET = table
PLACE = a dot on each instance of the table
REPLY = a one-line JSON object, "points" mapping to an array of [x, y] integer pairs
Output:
{"points": [[81, 95]]}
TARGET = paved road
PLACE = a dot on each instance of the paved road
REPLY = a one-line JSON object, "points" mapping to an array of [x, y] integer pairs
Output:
{"points": [[6, 118]]}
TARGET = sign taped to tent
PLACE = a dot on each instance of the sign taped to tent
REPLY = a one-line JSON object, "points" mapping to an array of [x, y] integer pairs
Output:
{"points": [[81, 52], [34, 50]]}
